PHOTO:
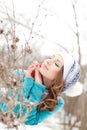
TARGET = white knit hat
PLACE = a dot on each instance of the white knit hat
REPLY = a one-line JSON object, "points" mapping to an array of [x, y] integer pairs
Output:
{"points": [[74, 90], [68, 62], [71, 71]]}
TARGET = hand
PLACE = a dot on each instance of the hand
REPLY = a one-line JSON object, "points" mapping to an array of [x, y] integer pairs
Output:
{"points": [[38, 77], [31, 69], [35, 64]]}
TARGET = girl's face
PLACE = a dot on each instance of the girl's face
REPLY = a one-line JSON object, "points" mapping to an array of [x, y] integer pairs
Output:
{"points": [[51, 66]]}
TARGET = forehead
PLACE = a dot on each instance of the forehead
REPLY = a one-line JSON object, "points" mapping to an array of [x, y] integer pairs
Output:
{"points": [[59, 57]]}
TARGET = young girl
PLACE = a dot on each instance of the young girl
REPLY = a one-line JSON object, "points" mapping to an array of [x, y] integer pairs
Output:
{"points": [[43, 83]]}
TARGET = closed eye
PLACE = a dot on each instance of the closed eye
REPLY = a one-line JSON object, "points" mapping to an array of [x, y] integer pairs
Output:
{"points": [[58, 64], [49, 57]]}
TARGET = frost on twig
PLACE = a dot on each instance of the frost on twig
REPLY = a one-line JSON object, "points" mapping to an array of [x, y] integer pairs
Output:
{"points": [[10, 90], [10, 86], [10, 59]]}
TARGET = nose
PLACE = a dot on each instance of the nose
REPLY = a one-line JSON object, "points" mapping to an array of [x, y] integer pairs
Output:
{"points": [[48, 61]]}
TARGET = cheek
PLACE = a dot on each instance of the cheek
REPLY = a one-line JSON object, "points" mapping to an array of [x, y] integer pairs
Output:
{"points": [[54, 74], [51, 74], [42, 71], [45, 73], [54, 71]]}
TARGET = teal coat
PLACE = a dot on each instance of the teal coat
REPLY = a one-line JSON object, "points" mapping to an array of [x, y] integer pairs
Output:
{"points": [[33, 91]]}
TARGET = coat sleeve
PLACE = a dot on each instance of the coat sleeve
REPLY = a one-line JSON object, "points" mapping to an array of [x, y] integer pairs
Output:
{"points": [[28, 82], [37, 92], [36, 116], [32, 91]]}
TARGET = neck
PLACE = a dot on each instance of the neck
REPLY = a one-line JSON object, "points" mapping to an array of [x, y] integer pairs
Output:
{"points": [[47, 82]]}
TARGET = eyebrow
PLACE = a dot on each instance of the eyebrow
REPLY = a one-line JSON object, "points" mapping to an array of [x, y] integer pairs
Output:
{"points": [[54, 56]]}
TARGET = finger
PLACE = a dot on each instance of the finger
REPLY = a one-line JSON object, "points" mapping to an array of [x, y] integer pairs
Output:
{"points": [[30, 71], [35, 62], [31, 66]]}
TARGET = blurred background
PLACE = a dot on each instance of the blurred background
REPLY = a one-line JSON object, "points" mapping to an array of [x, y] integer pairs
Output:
{"points": [[33, 29]]}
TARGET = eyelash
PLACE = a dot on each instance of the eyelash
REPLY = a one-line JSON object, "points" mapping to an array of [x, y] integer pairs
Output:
{"points": [[49, 57], [56, 63]]}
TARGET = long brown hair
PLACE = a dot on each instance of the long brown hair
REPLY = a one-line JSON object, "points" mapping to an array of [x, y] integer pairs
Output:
{"points": [[54, 91]]}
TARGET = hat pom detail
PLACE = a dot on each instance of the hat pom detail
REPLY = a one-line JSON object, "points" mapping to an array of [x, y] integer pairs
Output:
{"points": [[75, 90]]}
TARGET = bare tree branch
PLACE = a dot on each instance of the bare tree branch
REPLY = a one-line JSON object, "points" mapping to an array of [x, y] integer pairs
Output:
{"points": [[77, 30]]}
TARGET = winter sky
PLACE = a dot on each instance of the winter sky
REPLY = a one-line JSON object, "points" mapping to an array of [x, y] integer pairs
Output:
{"points": [[55, 22]]}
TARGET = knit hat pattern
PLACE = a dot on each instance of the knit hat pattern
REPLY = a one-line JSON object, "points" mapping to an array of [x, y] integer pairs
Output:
{"points": [[72, 76]]}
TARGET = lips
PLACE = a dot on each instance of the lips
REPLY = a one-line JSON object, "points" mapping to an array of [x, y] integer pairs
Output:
{"points": [[46, 67]]}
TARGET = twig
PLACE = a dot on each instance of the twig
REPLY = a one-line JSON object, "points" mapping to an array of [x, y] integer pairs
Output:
{"points": [[33, 24]]}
